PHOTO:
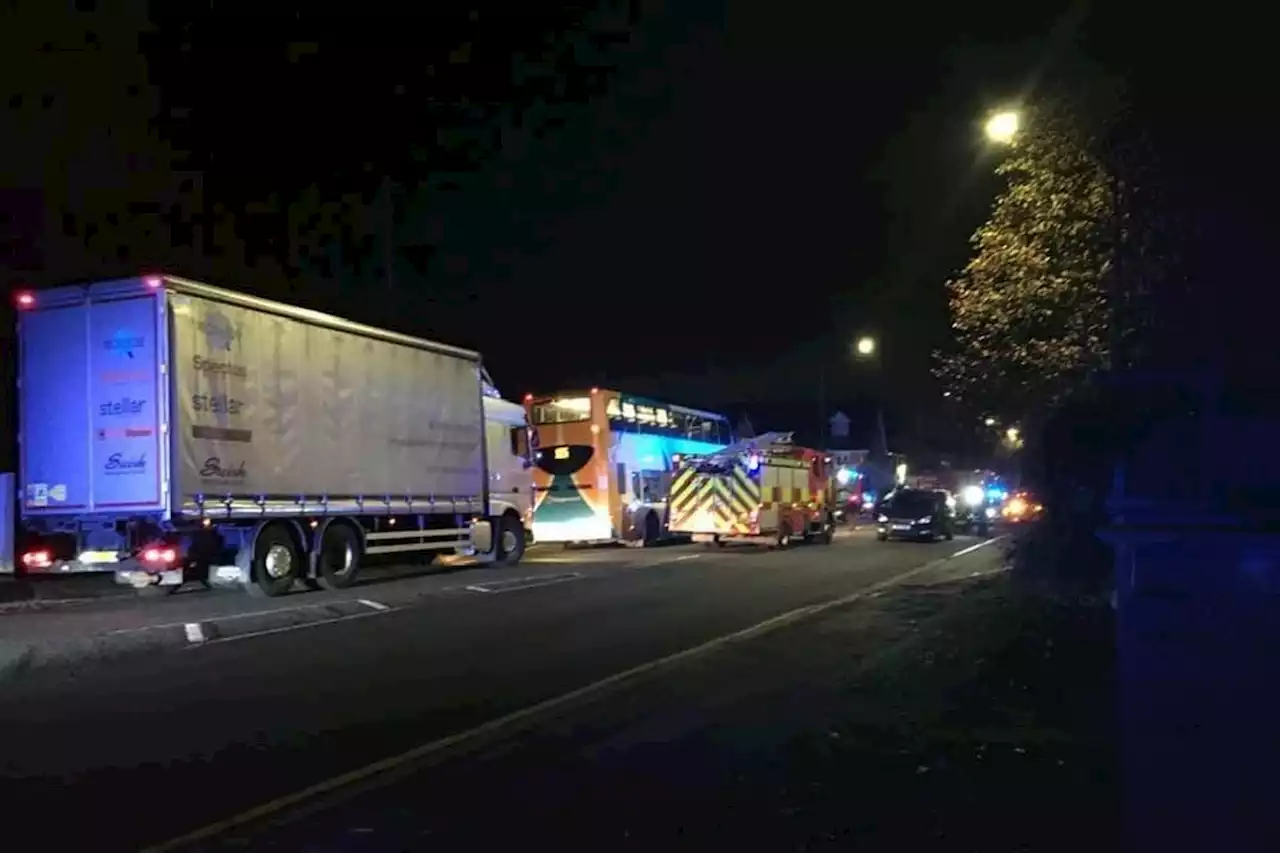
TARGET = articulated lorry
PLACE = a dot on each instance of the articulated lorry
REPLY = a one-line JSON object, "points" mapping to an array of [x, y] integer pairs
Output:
{"points": [[172, 431]]}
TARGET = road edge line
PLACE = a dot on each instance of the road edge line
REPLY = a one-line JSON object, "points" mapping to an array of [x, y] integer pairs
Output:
{"points": [[489, 727]]}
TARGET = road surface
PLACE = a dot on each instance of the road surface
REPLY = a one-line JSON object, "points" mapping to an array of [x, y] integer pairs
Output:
{"points": [[142, 749]]}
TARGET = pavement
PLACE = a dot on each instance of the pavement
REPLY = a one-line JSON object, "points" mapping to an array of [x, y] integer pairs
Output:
{"points": [[265, 699]]}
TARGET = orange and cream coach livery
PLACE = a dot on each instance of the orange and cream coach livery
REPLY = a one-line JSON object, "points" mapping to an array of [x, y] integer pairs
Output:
{"points": [[604, 460]]}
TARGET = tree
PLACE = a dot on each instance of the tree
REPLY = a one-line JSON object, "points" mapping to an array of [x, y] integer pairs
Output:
{"points": [[1030, 310]]}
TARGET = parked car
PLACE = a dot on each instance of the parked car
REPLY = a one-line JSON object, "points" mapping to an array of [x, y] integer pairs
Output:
{"points": [[916, 514]]}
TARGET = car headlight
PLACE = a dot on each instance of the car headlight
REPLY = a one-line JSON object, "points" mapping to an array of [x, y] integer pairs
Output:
{"points": [[973, 495], [991, 512], [924, 519], [884, 519]]}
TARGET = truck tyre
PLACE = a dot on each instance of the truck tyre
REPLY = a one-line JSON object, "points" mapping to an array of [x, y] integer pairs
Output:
{"points": [[275, 562], [652, 531], [338, 563], [510, 545]]}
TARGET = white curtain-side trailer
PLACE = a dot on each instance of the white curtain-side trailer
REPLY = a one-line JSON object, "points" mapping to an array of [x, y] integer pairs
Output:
{"points": [[172, 430]]}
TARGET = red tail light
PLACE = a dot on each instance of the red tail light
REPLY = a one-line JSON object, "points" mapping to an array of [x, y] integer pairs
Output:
{"points": [[24, 299], [159, 555], [38, 559]]}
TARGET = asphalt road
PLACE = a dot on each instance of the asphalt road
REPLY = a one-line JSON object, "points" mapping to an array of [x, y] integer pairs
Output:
{"points": [[138, 750]]}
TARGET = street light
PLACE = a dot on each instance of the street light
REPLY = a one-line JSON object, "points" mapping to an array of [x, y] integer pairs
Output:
{"points": [[1002, 127], [866, 347], [1012, 434], [990, 421]]}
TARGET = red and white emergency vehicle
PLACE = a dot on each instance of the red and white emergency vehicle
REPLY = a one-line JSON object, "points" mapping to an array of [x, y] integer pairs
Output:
{"points": [[765, 490]]}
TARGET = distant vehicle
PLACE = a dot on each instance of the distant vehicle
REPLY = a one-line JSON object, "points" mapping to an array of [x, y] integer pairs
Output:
{"points": [[174, 431], [604, 461], [976, 510], [764, 490], [916, 514], [1021, 508]]}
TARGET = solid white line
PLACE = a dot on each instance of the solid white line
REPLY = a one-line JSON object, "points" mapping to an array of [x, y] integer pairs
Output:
{"points": [[41, 603], [525, 714], [226, 617], [195, 632], [376, 605], [530, 583], [981, 544], [266, 632], [520, 579]]}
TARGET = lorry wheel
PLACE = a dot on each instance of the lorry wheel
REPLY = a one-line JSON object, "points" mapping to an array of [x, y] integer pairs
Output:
{"points": [[275, 563], [510, 540], [652, 531], [338, 563]]}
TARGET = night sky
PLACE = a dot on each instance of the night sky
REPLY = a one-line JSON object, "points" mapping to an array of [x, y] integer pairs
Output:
{"points": [[748, 188]]}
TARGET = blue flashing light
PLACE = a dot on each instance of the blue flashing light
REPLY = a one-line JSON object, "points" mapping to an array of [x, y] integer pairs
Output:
{"points": [[753, 463]]}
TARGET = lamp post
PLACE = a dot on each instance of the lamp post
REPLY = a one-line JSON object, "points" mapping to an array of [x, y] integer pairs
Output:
{"points": [[867, 349]]}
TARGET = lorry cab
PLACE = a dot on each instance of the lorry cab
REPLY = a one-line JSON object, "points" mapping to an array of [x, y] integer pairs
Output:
{"points": [[510, 465]]}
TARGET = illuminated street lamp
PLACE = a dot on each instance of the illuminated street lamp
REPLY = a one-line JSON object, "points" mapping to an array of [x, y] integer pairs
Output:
{"points": [[1012, 434], [866, 347], [1002, 127], [990, 421]]}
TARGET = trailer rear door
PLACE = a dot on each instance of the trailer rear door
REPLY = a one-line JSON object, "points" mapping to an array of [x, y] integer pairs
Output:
{"points": [[92, 400]]}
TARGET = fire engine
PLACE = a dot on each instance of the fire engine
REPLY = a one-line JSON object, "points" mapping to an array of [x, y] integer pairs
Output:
{"points": [[764, 490]]}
